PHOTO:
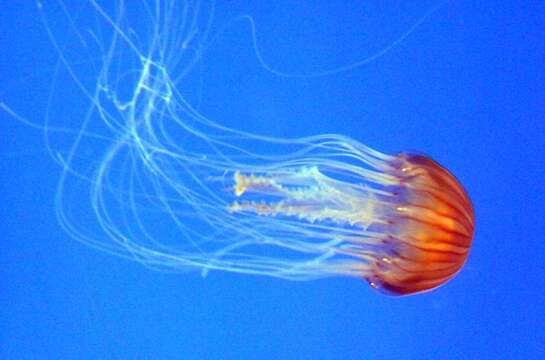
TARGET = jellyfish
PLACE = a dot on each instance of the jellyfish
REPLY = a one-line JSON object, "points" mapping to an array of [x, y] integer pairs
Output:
{"points": [[158, 182]]}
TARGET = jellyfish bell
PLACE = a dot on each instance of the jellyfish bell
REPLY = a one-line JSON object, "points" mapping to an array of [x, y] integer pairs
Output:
{"points": [[431, 229]]}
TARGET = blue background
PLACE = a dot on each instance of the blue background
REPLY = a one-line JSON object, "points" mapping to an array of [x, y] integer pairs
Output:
{"points": [[466, 87]]}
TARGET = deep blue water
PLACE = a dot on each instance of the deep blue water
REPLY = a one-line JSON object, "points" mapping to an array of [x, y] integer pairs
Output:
{"points": [[465, 86]]}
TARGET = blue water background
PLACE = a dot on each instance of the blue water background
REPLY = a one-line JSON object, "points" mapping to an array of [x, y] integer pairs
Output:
{"points": [[465, 87]]}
